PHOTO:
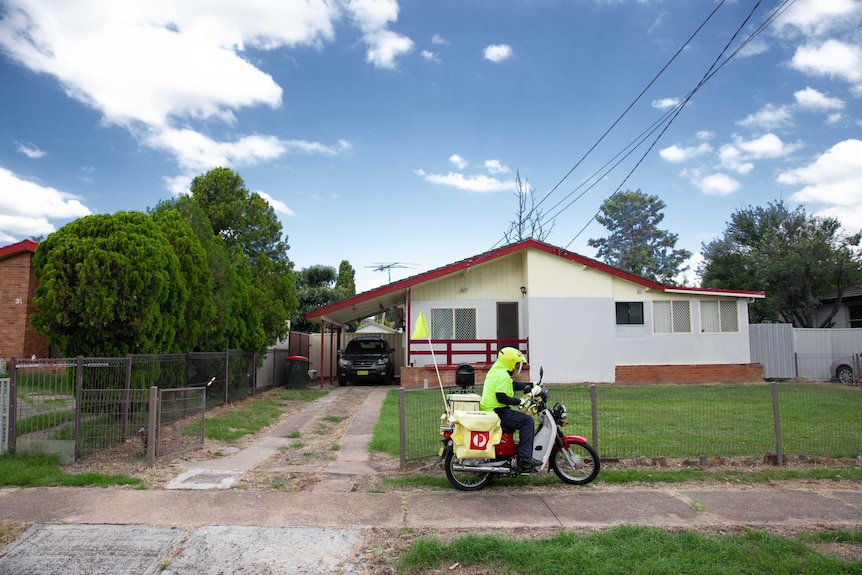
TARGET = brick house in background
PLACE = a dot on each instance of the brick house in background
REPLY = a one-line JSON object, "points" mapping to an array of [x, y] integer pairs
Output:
{"points": [[17, 284]]}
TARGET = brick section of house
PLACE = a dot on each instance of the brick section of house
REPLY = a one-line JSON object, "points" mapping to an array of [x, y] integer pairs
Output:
{"points": [[414, 377], [701, 373], [17, 285]]}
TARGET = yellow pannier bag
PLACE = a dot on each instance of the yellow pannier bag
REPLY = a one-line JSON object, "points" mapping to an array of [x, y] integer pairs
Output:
{"points": [[475, 433]]}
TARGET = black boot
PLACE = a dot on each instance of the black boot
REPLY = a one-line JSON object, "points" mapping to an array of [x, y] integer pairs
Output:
{"points": [[528, 464]]}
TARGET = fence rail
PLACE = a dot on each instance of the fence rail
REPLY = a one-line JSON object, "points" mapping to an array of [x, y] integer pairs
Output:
{"points": [[690, 421]]}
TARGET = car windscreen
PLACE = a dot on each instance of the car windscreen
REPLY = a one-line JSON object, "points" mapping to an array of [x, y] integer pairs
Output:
{"points": [[361, 347]]}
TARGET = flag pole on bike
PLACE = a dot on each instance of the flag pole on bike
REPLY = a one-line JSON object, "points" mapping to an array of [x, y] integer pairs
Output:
{"points": [[420, 331]]}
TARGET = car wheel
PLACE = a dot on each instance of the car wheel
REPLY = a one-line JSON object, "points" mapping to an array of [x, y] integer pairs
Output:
{"points": [[844, 374]]}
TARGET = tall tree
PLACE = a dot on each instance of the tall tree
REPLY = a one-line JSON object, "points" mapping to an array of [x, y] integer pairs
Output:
{"points": [[314, 289], [528, 218], [110, 285], [635, 243], [248, 225], [345, 284], [792, 256]]}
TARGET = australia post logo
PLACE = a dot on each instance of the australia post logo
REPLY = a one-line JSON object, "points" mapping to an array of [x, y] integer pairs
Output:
{"points": [[479, 439]]}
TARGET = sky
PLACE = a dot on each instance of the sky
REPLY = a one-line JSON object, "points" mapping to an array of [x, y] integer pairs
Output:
{"points": [[391, 133]]}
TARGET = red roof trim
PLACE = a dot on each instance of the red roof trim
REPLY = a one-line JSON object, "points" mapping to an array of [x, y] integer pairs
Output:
{"points": [[502, 252], [22, 246]]}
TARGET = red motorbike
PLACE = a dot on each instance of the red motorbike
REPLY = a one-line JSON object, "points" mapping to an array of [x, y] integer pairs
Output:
{"points": [[477, 449]]}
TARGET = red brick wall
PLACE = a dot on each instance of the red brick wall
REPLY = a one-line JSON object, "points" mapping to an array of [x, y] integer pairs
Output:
{"points": [[413, 377], [701, 373], [18, 282]]}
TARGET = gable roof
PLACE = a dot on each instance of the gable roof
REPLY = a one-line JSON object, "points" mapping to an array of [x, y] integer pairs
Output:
{"points": [[368, 303], [14, 249]]}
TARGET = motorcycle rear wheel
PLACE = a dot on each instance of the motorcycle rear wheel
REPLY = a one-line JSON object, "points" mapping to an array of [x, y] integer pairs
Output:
{"points": [[461, 480], [586, 468]]}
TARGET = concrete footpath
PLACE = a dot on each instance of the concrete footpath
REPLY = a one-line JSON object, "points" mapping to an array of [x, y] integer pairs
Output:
{"points": [[208, 528]]}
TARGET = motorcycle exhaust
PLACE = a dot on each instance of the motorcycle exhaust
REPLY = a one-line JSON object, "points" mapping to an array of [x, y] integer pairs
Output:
{"points": [[502, 470]]}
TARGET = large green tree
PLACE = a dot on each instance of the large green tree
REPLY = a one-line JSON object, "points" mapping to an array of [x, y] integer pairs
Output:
{"points": [[635, 243], [110, 285], [794, 257], [248, 225]]}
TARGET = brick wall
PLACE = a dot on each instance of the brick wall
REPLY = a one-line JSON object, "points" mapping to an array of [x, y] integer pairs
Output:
{"points": [[18, 283], [701, 373], [414, 377]]}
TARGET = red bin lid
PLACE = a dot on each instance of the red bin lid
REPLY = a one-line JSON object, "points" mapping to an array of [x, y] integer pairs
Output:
{"points": [[296, 358]]}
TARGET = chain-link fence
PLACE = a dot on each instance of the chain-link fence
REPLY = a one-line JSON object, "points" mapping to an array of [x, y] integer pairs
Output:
{"points": [[681, 421], [79, 407]]}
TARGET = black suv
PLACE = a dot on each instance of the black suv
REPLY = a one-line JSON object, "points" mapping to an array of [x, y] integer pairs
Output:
{"points": [[366, 359]]}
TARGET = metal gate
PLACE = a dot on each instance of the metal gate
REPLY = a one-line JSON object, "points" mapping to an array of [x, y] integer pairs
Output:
{"points": [[4, 414]]}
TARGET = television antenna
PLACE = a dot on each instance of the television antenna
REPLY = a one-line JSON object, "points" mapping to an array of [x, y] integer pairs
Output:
{"points": [[388, 267]]}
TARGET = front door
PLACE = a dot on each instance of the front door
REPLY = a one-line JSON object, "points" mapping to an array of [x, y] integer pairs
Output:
{"points": [[507, 320]]}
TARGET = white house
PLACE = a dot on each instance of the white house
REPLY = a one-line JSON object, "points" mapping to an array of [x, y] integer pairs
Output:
{"points": [[580, 319]]}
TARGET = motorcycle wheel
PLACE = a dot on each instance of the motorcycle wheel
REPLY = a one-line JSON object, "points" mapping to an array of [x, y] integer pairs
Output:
{"points": [[586, 468], [464, 481]]}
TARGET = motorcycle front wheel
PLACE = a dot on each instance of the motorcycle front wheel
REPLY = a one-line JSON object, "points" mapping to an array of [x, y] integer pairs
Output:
{"points": [[462, 480], [585, 464]]}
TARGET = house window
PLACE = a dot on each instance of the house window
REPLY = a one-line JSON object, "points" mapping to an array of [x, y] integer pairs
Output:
{"points": [[719, 317], [671, 317], [453, 323], [630, 313], [855, 315]]}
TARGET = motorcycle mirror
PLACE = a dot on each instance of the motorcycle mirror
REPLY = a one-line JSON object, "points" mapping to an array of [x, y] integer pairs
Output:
{"points": [[541, 373]]}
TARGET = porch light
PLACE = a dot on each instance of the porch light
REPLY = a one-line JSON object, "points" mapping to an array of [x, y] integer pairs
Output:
{"points": [[523, 291]]}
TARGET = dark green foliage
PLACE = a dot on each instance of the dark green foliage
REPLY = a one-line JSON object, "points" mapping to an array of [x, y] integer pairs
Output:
{"points": [[110, 285], [248, 225], [317, 286], [793, 257], [636, 244]]}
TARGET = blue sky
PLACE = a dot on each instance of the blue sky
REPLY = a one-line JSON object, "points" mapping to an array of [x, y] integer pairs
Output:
{"points": [[384, 131]]}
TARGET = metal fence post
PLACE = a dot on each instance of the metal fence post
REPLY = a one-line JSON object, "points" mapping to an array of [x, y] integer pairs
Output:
{"points": [[402, 435], [226, 374], [594, 414], [153, 406], [777, 422], [13, 405], [127, 398], [79, 398]]}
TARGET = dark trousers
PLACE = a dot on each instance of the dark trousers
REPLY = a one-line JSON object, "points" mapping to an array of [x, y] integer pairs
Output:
{"points": [[514, 419]]}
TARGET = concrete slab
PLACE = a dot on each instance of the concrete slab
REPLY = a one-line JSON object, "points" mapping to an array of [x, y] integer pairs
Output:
{"points": [[220, 549], [480, 509], [204, 479], [590, 508], [90, 549], [772, 506]]}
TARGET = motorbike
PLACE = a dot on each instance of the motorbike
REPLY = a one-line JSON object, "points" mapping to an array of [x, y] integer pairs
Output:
{"points": [[476, 449]]}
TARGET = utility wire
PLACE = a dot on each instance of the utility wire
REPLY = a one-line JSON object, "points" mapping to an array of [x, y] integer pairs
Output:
{"points": [[625, 112], [668, 119]]}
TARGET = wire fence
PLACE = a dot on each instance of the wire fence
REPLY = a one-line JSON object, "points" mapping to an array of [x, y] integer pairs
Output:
{"points": [[79, 407], [774, 420]]}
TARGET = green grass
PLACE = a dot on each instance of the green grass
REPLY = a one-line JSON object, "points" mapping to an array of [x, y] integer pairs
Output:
{"points": [[627, 549], [254, 414], [35, 470]]}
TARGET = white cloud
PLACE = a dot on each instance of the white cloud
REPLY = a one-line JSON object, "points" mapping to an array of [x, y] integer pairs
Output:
{"points": [[835, 178], [834, 118], [833, 58], [429, 56], [496, 167], [770, 117], [27, 208], [754, 48], [31, 151], [705, 135], [818, 17], [811, 99], [277, 205], [665, 103], [459, 162], [480, 183], [676, 154], [373, 18], [738, 156], [717, 184], [438, 39], [497, 52]]}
